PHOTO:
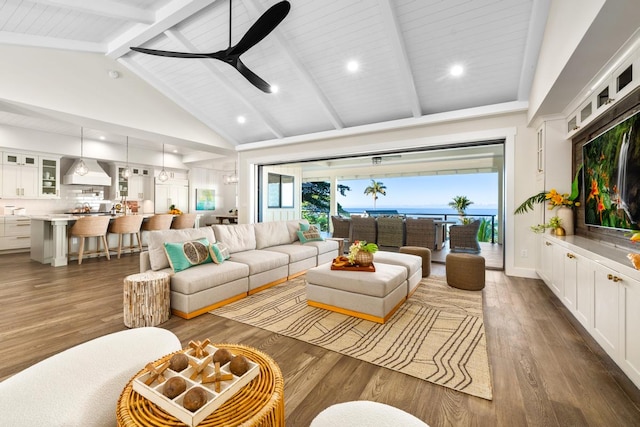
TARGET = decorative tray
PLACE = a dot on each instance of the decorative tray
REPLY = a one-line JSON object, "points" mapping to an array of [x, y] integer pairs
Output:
{"points": [[151, 383], [339, 264]]}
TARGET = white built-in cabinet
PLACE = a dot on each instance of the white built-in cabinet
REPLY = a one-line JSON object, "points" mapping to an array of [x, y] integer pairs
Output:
{"points": [[601, 289], [619, 83]]}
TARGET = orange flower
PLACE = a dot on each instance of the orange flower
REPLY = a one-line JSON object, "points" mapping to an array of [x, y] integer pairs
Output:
{"points": [[600, 206], [594, 190], [635, 237]]}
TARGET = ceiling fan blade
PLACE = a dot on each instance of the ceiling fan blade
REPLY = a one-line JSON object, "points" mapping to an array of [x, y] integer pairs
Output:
{"points": [[170, 53], [262, 27], [252, 77]]}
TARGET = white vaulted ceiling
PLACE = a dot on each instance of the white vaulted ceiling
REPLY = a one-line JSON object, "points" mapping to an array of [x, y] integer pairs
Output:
{"points": [[405, 49]]}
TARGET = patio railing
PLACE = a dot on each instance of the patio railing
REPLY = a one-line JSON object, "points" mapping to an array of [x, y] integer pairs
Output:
{"points": [[323, 219]]}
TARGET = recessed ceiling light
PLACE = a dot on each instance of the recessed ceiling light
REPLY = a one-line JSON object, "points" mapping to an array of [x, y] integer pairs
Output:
{"points": [[353, 66], [274, 88], [102, 137], [457, 70], [175, 151], [241, 119]]}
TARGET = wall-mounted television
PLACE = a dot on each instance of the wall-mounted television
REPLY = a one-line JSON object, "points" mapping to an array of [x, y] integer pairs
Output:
{"points": [[611, 176]]}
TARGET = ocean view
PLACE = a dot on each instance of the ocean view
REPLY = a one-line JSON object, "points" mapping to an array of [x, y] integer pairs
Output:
{"points": [[428, 210]]}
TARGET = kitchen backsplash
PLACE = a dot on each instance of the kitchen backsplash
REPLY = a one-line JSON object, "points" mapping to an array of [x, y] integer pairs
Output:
{"points": [[72, 196]]}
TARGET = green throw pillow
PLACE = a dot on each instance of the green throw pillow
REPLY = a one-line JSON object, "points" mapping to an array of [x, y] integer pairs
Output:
{"points": [[183, 255], [311, 235], [219, 252], [304, 226]]}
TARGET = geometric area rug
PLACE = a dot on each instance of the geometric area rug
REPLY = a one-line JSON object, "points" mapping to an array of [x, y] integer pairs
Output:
{"points": [[437, 335]]}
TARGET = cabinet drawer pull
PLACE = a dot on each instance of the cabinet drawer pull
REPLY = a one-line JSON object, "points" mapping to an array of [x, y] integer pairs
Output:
{"points": [[547, 243], [570, 255], [614, 278]]}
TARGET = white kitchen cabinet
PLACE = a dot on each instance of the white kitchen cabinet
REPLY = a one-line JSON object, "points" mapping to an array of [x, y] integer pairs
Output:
{"points": [[19, 176], [15, 233], [49, 177], [139, 186], [172, 193]]}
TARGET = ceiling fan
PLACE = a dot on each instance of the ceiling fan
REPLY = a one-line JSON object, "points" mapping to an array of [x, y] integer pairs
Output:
{"points": [[231, 55]]}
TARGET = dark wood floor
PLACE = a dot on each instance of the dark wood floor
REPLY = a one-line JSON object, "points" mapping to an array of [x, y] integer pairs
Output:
{"points": [[546, 370]]}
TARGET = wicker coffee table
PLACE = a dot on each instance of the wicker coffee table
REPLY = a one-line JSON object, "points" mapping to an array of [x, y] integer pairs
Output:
{"points": [[260, 403]]}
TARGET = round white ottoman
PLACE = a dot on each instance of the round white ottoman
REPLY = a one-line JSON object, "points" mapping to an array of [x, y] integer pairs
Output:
{"points": [[363, 413]]}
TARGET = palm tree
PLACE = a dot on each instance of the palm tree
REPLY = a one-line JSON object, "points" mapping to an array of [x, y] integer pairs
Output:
{"points": [[460, 204], [375, 188]]}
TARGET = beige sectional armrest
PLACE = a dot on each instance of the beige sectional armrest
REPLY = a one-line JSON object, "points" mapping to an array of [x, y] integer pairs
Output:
{"points": [[145, 263]]}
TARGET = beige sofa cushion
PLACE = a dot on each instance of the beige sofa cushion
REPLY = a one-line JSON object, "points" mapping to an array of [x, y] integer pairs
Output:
{"points": [[271, 234], [157, 256], [238, 238]]}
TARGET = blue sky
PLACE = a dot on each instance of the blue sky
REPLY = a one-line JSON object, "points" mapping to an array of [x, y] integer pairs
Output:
{"points": [[425, 191]]}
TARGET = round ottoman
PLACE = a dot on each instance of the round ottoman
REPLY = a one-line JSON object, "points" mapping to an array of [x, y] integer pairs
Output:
{"points": [[363, 413], [465, 271], [424, 253]]}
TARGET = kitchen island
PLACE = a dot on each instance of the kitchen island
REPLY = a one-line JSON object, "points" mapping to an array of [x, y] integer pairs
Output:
{"points": [[49, 237]]}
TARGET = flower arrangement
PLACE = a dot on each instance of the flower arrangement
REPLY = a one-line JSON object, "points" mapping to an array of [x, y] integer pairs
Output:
{"points": [[360, 245], [554, 198]]}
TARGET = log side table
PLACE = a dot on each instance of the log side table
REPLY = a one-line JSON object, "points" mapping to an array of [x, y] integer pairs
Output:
{"points": [[146, 299]]}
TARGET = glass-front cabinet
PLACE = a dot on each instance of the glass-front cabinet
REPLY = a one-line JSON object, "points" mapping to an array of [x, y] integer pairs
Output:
{"points": [[49, 177]]}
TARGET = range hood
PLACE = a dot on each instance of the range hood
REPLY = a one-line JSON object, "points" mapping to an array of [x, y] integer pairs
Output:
{"points": [[95, 176]]}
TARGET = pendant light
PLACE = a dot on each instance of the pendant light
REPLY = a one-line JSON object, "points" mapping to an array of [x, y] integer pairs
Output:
{"points": [[81, 167], [126, 173], [163, 173], [232, 179]]}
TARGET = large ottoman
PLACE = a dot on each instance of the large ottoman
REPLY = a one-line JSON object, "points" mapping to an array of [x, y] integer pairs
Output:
{"points": [[465, 271], [372, 296], [412, 263]]}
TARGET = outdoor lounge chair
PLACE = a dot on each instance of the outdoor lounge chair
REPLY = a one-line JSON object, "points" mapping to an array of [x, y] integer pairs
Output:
{"points": [[464, 237], [391, 231], [420, 232], [341, 226], [363, 228]]}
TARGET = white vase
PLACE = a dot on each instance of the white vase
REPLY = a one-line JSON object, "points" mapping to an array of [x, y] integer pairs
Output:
{"points": [[566, 219]]}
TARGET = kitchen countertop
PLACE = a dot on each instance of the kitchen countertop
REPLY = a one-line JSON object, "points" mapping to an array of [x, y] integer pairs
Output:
{"points": [[67, 217]]}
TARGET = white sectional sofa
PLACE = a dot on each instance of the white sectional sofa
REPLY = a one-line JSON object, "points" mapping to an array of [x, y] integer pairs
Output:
{"points": [[262, 255]]}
